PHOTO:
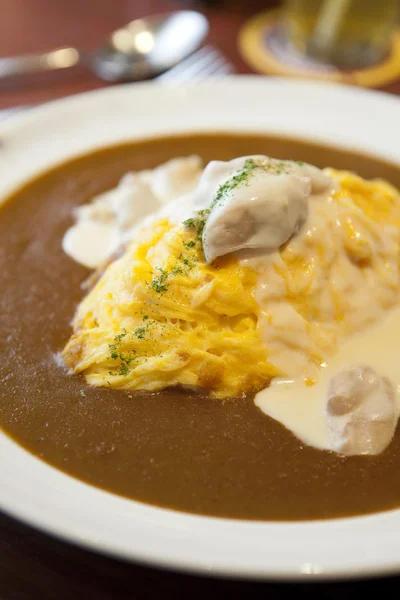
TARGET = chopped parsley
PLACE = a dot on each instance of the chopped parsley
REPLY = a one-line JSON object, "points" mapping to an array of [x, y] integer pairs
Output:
{"points": [[184, 263], [188, 264], [139, 333], [119, 337], [241, 177], [198, 222], [190, 223], [125, 359], [113, 351], [158, 284], [82, 393]]}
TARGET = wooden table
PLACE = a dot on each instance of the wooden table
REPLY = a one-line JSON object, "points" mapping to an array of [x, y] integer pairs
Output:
{"points": [[33, 565], [39, 25]]}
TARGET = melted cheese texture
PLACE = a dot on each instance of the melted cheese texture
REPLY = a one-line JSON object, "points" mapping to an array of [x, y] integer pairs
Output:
{"points": [[161, 316]]}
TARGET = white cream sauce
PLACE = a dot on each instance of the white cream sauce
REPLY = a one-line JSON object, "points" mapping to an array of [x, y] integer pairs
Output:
{"points": [[302, 408], [111, 219]]}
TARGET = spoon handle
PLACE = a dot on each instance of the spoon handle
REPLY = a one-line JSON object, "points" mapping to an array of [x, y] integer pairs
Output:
{"points": [[62, 58]]}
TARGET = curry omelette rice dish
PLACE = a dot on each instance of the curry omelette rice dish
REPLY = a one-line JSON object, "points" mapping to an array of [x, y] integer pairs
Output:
{"points": [[166, 314]]}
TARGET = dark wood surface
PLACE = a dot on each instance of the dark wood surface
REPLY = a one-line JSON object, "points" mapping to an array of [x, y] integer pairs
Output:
{"points": [[39, 25], [32, 564]]}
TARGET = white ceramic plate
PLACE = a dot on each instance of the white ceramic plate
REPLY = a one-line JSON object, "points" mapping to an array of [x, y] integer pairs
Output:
{"points": [[61, 505]]}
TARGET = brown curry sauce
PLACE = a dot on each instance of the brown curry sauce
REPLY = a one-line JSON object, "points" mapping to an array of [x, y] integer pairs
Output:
{"points": [[172, 449]]}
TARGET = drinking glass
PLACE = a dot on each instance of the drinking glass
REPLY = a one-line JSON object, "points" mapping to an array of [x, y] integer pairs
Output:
{"points": [[346, 33]]}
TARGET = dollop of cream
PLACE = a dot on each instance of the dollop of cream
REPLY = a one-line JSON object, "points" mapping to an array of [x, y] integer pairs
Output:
{"points": [[254, 202]]}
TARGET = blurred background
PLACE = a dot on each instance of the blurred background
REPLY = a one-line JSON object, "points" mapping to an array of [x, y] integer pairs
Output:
{"points": [[355, 41]]}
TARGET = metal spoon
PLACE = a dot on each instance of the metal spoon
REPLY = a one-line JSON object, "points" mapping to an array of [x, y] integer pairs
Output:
{"points": [[143, 48]]}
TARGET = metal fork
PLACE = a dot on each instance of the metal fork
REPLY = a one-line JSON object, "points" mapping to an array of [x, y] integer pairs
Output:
{"points": [[206, 62]]}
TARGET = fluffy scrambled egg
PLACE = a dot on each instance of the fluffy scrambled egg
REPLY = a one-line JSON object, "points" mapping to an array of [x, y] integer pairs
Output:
{"points": [[160, 316], [335, 278]]}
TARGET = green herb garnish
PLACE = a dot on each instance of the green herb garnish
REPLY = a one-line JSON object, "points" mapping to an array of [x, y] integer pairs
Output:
{"points": [[139, 332], [198, 222], [241, 177], [119, 337], [189, 223], [125, 360], [159, 284]]}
